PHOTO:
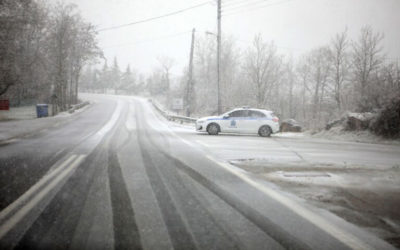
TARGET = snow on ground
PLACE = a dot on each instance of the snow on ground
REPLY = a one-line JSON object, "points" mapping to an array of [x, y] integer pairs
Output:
{"points": [[363, 195], [12, 129], [289, 134], [18, 113], [183, 127], [335, 133], [338, 133]]}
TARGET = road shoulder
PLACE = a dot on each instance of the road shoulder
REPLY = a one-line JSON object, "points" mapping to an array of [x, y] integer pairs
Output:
{"points": [[13, 130]]}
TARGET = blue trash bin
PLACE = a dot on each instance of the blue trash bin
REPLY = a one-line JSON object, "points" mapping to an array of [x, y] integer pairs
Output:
{"points": [[42, 110]]}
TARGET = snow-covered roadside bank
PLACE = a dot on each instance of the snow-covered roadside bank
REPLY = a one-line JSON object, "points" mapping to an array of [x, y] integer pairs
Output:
{"points": [[14, 129], [289, 135], [339, 134], [333, 134], [363, 195]]}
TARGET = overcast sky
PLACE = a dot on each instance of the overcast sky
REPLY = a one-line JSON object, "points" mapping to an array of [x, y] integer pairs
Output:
{"points": [[296, 26]]}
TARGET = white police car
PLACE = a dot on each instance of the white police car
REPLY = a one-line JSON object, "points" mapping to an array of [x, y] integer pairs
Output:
{"points": [[240, 120]]}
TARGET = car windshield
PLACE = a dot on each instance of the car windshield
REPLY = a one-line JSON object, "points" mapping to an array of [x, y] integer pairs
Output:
{"points": [[199, 124]]}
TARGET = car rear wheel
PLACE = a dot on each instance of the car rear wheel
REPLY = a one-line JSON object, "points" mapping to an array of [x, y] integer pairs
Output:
{"points": [[265, 131], [213, 129]]}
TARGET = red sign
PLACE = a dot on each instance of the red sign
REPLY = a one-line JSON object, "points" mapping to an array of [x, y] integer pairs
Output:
{"points": [[4, 105]]}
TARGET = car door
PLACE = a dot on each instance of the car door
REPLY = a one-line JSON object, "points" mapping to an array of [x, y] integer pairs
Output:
{"points": [[253, 121], [242, 122], [232, 123]]}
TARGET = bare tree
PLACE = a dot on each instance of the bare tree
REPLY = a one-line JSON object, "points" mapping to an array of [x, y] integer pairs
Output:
{"points": [[340, 66], [60, 44], [303, 72], [84, 49], [166, 64], [205, 92], [42, 51], [319, 65], [290, 78], [205, 74], [367, 58], [385, 85], [21, 43], [229, 67], [262, 66], [392, 77], [71, 44]]}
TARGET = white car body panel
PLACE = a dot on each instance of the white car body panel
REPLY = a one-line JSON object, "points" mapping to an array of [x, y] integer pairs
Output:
{"points": [[245, 125]]}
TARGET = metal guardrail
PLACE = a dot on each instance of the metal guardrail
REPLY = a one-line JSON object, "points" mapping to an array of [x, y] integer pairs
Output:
{"points": [[78, 106], [182, 118], [171, 117]]}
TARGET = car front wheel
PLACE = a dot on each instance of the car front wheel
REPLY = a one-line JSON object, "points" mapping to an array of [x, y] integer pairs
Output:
{"points": [[213, 129], [265, 131]]}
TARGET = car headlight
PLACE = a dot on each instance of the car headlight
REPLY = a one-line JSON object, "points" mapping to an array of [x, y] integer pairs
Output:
{"points": [[200, 122]]}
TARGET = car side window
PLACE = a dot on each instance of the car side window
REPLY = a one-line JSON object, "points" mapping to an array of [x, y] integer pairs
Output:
{"points": [[239, 113], [256, 114]]}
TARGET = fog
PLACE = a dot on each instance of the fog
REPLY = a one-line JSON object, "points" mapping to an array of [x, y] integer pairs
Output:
{"points": [[122, 128], [296, 26]]}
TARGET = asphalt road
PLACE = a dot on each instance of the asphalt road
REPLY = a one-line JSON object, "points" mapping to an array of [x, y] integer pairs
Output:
{"points": [[118, 176]]}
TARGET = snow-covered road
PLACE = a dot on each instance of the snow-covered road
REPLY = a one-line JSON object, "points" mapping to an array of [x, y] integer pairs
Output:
{"points": [[292, 147], [120, 176]]}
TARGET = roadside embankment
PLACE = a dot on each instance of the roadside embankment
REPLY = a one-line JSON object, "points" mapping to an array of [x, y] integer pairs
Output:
{"points": [[18, 128]]}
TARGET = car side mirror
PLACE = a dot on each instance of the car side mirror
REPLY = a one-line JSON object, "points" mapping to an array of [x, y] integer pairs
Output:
{"points": [[225, 117]]}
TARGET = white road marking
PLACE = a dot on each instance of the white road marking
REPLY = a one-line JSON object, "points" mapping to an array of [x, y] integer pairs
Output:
{"points": [[25, 209], [16, 211], [130, 123], [346, 238], [8, 141], [113, 120], [22, 199]]}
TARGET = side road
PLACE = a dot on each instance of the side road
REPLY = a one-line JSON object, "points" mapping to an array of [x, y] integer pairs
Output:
{"points": [[15, 129]]}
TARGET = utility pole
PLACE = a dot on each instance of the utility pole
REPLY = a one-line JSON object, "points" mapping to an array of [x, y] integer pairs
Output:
{"points": [[219, 57], [189, 85]]}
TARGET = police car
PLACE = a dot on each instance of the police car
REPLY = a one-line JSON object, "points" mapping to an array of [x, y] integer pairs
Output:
{"points": [[241, 120]]}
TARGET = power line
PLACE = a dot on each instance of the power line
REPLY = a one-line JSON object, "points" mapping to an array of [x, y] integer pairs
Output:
{"points": [[243, 4], [231, 2], [154, 18], [148, 40], [255, 8]]}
